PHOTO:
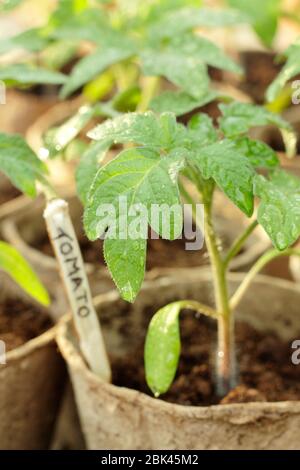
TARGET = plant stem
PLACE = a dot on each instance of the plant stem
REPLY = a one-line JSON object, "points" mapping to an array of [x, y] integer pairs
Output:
{"points": [[225, 367], [260, 263], [149, 86], [239, 243]]}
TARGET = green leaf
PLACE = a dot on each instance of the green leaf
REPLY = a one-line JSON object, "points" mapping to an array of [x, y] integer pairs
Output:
{"points": [[88, 167], [17, 267], [31, 40], [263, 15], [126, 262], [185, 19], [201, 130], [162, 348], [139, 128], [56, 140], [260, 154], [238, 118], [189, 72], [131, 182], [138, 174], [92, 65], [184, 62], [231, 170], [291, 69], [89, 25], [27, 74], [180, 102], [279, 209], [20, 163]]}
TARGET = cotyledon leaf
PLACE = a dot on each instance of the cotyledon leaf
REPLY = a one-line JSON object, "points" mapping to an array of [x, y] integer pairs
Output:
{"points": [[17, 267], [279, 209], [162, 348]]}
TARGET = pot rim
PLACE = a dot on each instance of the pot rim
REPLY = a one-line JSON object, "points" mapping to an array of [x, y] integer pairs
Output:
{"points": [[237, 413]]}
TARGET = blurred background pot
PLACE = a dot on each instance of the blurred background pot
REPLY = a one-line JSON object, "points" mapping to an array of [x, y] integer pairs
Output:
{"points": [[31, 381], [121, 418]]}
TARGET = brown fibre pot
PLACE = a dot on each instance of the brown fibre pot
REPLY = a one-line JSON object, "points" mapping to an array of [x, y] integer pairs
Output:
{"points": [[115, 417], [31, 384], [27, 232]]}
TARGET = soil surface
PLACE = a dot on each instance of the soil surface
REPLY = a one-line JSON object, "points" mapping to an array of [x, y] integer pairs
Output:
{"points": [[266, 372], [20, 322]]}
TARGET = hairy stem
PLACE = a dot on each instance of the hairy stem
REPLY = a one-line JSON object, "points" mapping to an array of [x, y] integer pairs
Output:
{"points": [[239, 243], [225, 367], [256, 268]]}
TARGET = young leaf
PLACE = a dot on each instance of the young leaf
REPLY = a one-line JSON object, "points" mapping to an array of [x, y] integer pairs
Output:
{"points": [[180, 102], [141, 129], [291, 69], [88, 167], [231, 170], [188, 71], [17, 267], [185, 19], [138, 174], [92, 65], [20, 163], [259, 154], [27, 74], [238, 118], [162, 348], [279, 209]]}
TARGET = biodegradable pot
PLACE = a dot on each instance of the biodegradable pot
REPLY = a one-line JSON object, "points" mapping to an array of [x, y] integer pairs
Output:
{"points": [[26, 227], [31, 385], [120, 418]]}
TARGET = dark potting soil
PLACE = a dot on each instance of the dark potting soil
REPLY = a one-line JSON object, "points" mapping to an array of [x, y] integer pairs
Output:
{"points": [[20, 322], [266, 372], [260, 70]]}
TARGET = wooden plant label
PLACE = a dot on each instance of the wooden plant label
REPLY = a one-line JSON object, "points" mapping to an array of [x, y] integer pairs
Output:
{"points": [[72, 270]]}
